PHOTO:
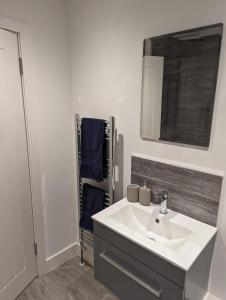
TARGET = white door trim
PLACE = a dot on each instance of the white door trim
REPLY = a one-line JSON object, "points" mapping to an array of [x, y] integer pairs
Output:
{"points": [[25, 45]]}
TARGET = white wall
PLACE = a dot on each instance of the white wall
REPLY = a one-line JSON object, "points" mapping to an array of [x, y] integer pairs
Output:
{"points": [[48, 46], [106, 69]]}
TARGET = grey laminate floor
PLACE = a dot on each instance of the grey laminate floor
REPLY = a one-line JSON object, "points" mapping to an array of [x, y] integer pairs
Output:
{"points": [[70, 281]]}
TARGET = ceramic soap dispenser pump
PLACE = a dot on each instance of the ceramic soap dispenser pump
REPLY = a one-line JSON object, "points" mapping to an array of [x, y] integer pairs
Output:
{"points": [[145, 195]]}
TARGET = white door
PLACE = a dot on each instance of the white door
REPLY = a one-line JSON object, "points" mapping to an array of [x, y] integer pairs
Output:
{"points": [[17, 257]]}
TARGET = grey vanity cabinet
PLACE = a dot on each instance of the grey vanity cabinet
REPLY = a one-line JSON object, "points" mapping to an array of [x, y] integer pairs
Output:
{"points": [[128, 278], [133, 273]]}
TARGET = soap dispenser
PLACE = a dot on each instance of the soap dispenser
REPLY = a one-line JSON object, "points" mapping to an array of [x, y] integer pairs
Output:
{"points": [[145, 195]]}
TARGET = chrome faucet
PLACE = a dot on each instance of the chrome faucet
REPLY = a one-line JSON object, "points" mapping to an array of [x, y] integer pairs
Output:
{"points": [[162, 197]]}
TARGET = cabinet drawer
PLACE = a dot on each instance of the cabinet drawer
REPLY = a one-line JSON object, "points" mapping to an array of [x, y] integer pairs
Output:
{"points": [[128, 278], [152, 261]]}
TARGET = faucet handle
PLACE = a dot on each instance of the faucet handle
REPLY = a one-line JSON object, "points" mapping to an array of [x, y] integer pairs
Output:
{"points": [[163, 199], [161, 196]]}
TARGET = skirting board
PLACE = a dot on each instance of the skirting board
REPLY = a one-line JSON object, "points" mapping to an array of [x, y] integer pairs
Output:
{"points": [[62, 256], [210, 297]]}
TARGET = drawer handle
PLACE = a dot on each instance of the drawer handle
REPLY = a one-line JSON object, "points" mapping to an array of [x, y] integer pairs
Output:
{"points": [[139, 281]]}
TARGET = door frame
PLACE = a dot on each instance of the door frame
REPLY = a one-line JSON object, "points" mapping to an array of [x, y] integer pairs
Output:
{"points": [[25, 51]]}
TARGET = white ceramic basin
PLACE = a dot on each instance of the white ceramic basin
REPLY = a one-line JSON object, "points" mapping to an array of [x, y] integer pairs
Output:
{"points": [[152, 225], [175, 237]]}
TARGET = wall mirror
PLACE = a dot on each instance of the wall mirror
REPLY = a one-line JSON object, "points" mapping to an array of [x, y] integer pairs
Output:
{"points": [[178, 85]]}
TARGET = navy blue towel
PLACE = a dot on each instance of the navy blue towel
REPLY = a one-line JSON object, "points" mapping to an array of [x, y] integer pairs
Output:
{"points": [[92, 202], [92, 149]]}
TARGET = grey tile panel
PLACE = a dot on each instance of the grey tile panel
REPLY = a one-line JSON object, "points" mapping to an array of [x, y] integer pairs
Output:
{"points": [[195, 194]]}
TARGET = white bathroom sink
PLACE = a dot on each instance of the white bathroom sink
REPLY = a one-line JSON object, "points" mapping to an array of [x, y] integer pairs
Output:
{"points": [[152, 225], [175, 237]]}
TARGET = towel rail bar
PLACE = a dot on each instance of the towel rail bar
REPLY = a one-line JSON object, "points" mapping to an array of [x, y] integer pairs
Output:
{"points": [[87, 233], [86, 236], [78, 119]]}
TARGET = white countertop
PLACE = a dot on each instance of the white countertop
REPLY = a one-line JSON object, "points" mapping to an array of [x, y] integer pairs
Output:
{"points": [[183, 256]]}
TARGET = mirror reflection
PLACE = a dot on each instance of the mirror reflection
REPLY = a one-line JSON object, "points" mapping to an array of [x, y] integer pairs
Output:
{"points": [[178, 85]]}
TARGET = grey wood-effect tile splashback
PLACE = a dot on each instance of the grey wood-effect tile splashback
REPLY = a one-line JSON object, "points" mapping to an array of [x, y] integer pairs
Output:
{"points": [[192, 193]]}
